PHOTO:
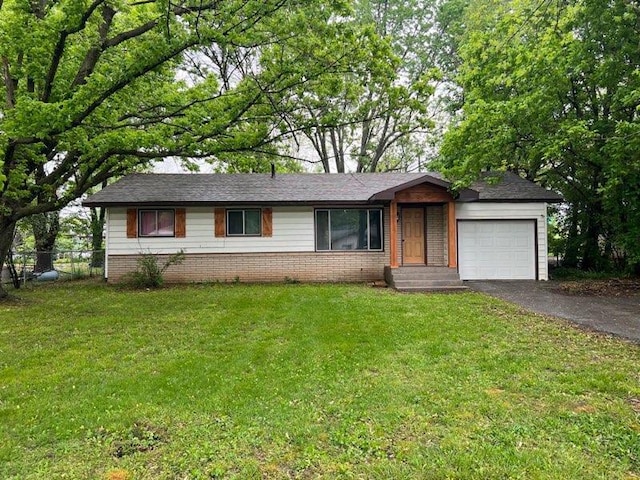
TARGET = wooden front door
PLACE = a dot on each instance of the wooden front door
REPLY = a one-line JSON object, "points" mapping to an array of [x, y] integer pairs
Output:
{"points": [[413, 236]]}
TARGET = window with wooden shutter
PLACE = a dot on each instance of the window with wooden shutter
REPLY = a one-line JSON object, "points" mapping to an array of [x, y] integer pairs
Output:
{"points": [[132, 223], [267, 222], [249, 222], [181, 223], [219, 218], [156, 223]]}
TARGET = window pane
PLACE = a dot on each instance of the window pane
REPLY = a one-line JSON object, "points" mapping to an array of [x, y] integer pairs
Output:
{"points": [[252, 222], [147, 222], [363, 234], [344, 229], [165, 222], [375, 233], [322, 230], [234, 222]]}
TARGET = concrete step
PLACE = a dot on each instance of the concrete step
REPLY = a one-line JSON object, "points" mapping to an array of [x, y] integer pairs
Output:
{"points": [[426, 275], [419, 268], [416, 270], [426, 283], [423, 278], [450, 289]]}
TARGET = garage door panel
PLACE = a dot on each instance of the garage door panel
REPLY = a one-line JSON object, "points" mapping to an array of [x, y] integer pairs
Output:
{"points": [[502, 242], [485, 242], [496, 250], [498, 229]]}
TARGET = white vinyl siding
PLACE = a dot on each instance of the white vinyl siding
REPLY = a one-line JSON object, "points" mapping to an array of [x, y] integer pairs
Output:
{"points": [[107, 250], [293, 231], [511, 211]]}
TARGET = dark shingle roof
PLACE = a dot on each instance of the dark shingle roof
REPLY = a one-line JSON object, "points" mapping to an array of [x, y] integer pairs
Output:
{"points": [[511, 187], [304, 188]]}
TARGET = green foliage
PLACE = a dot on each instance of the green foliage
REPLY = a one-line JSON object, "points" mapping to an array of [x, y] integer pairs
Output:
{"points": [[551, 92], [74, 232], [374, 114], [555, 240], [307, 381], [93, 90], [24, 240], [149, 273]]}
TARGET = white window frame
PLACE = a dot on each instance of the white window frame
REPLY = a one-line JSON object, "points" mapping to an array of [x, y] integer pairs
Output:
{"points": [[157, 211], [244, 222], [368, 210]]}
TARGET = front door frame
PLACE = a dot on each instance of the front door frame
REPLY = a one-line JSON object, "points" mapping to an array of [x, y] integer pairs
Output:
{"points": [[414, 260], [422, 193]]}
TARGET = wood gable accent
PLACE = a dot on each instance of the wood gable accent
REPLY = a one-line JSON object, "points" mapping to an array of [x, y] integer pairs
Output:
{"points": [[181, 223], [267, 222], [423, 193], [132, 223], [220, 222]]}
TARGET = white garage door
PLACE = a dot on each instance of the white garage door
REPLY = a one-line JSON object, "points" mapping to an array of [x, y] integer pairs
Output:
{"points": [[496, 250]]}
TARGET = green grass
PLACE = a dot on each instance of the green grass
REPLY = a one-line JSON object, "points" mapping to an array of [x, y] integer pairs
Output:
{"points": [[307, 381]]}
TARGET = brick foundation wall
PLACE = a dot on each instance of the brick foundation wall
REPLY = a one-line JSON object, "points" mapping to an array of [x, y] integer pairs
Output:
{"points": [[265, 267]]}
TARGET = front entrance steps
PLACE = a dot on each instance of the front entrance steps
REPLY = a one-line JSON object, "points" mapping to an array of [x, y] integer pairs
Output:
{"points": [[423, 278]]}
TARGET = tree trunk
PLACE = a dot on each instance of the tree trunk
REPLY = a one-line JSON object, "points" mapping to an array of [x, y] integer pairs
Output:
{"points": [[45, 231], [592, 258], [7, 231], [572, 244]]}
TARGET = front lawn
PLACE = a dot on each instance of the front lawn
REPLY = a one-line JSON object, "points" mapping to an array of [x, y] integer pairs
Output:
{"points": [[307, 381]]}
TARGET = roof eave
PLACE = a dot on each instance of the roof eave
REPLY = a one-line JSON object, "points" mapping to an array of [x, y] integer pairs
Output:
{"points": [[165, 203], [467, 195], [520, 200], [389, 193]]}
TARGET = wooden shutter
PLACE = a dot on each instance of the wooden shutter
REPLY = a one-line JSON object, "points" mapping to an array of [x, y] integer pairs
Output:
{"points": [[181, 223], [220, 222], [267, 222], [132, 223]]}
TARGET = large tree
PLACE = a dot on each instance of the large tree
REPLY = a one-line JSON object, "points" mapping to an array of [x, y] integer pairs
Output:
{"points": [[45, 228], [551, 90], [377, 114], [90, 88]]}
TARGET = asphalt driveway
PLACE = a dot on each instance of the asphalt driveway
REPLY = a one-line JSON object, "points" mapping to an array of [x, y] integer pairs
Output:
{"points": [[618, 316]]}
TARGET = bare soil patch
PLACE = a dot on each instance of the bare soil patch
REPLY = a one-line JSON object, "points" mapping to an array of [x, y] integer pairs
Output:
{"points": [[612, 287]]}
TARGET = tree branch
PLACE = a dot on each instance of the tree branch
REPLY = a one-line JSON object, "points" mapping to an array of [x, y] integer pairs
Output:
{"points": [[93, 54], [58, 50], [9, 83], [123, 82], [129, 34]]}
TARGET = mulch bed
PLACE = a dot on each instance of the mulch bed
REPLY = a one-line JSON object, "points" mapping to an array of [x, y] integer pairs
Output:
{"points": [[613, 287]]}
